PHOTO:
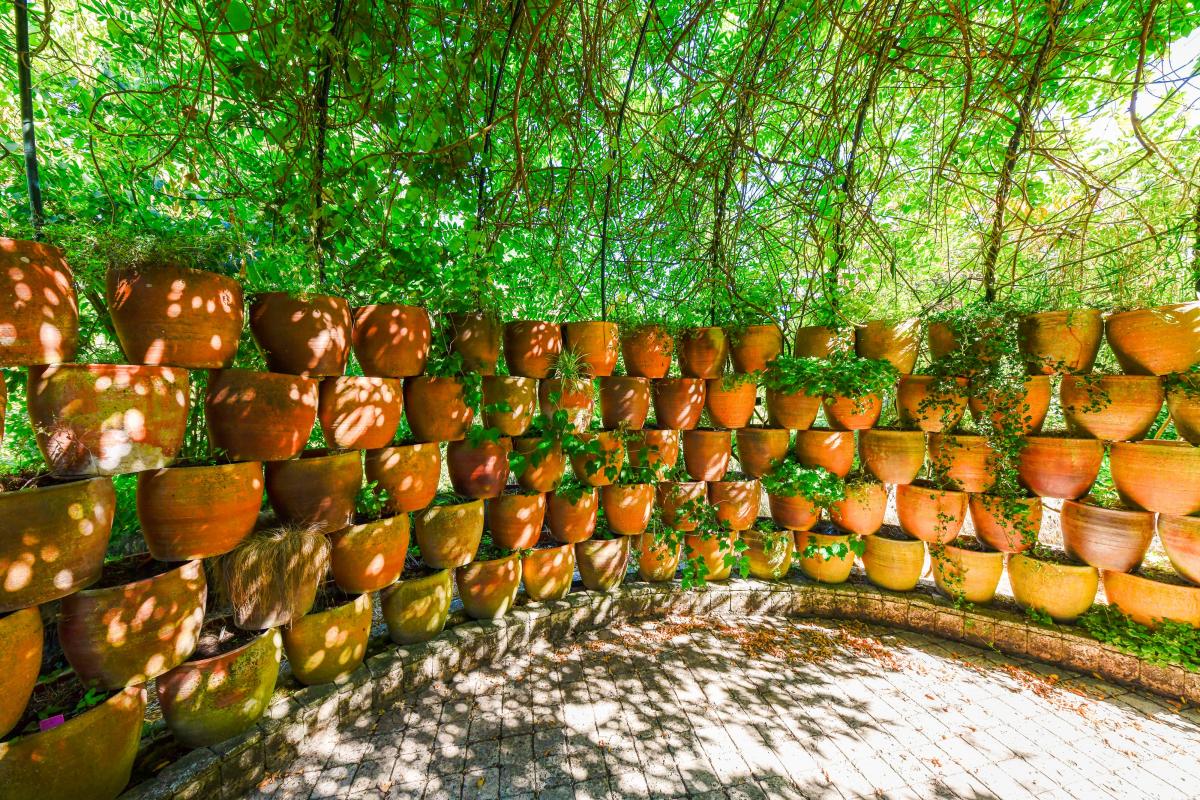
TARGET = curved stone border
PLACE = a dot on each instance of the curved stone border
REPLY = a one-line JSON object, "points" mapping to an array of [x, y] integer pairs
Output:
{"points": [[235, 767]]}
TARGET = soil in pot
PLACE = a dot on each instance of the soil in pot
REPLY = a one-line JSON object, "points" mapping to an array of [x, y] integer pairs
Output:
{"points": [[330, 642], [417, 606]]}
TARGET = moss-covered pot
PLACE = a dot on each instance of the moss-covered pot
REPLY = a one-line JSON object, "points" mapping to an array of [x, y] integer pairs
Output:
{"points": [[37, 304], [408, 473], [325, 646], [509, 403], [370, 555], [1064, 591], [548, 572], [489, 588], [416, 609], [1149, 602], [969, 574], [827, 563], [894, 561], [260, 416], [449, 535], [319, 488], [769, 552], [21, 638], [657, 561], [602, 563], [198, 512], [1112, 539]]}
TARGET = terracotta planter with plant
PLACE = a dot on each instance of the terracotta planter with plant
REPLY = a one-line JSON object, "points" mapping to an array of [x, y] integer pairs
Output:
{"points": [[627, 507], [1115, 408], [658, 558], [794, 411], [853, 391], [931, 514], [541, 463], [318, 488], [598, 458], [769, 551], [825, 557], [676, 502], [931, 403], [329, 643], [392, 340], [730, 400], [892, 456], [712, 553], [1113, 539], [548, 572], [302, 334], [1180, 537], [894, 342], [37, 304], [107, 419], [478, 465], [417, 606], [597, 343], [1161, 476], [198, 512], [475, 337], [1064, 468], [359, 413], [703, 352], [514, 518], [449, 531], [793, 512], [602, 562], [861, 511], [967, 570], [706, 453], [259, 416], [893, 560], [1060, 342], [575, 396], [1156, 341], [832, 450], [531, 347], [819, 341], [1048, 582], [678, 402], [656, 449], [735, 499], [407, 474], [271, 578], [1025, 410], [967, 461], [852, 413], [1007, 524], [21, 637], [793, 390], [753, 347], [1183, 402], [759, 449], [1153, 597], [647, 350], [571, 513], [488, 589], [438, 408], [796, 493], [624, 402], [509, 403], [369, 555]]}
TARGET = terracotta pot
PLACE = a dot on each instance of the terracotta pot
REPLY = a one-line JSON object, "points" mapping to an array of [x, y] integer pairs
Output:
{"points": [[478, 470], [602, 563], [736, 502], [647, 351], [21, 638], [796, 411], [941, 339], [929, 403], [174, 316], [392, 340], [892, 456], [1149, 602], [1156, 341], [596, 343], [319, 488], [1008, 529], [489, 588], [819, 341], [308, 335], [107, 419], [673, 498], [832, 450], [627, 507], [1063, 591], [259, 416], [894, 563], [1055, 467], [548, 572], [509, 403], [576, 397], [407, 473], [678, 402], [1180, 537], [437, 409], [475, 336], [1111, 407], [852, 414], [894, 342], [262, 596], [1026, 412], [515, 518], [600, 463], [121, 635], [703, 352], [861, 512], [449, 535], [39, 318], [967, 461], [359, 413], [712, 549], [1111, 539], [755, 346], [733, 407], [657, 561], [758, 449], [90, 756], [653, 447], [1157, 475], [624, 401], [969, 575], [931, 515], [370, 555], [1185, 412], [531, 347], [206, 701], [769, 553], [825, 565], [793, 512], [54, 541], [706, 453], [544, 468], [198, 512], [325, 646], [416, 609], [1060, 342], [572, 521]]}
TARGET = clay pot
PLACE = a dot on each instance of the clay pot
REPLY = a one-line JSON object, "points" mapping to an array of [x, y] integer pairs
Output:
{"points": [[407, 473], [712, 549], [392, 340], [931, 515], [489, 588], [107, 419], [475, 336], [968, 461], [307, 335], [894, 342], [596, 343], [755, 346], [118, 636], [703, 352], [39, 318], [478, 470], [706, 453], [930, 403], [818, 341], [1008, 529], [1149, 602], [548, 571], [90, 756], [599, 464], [206, 701], [449, 535], [174, 316], [733, 407], [54, 540], [832, 450], [968, 574], [627, 507], [824, 564], [198, 512], [796, 411], [678, 402], [1180, 537], [544, 466], [416, 609], [852, 414], [769, 553], [672, 497], [21, 638], [326, 646], [894, 561], [736, 502], [654, 448], [572, 520], [793, 512], [437, 409], [515, 518], [1063, 591], [370, 555], [602, 563], [576, 397], [359, 413], [531, 347], [1111, 539], [892, 456], [861, 512], [941, 339], [1185, 411], [1156, 341], [1060, 342], [1025, 413], [1111, 407], [624, 402], [509, 403], [647, 351], [319, 488], [1157, 476], [657, 561], [259, 416], [758, 449], [1056, 467]]}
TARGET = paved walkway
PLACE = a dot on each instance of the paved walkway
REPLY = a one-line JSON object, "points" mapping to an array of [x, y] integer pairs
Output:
{"points": [[760, 708]]}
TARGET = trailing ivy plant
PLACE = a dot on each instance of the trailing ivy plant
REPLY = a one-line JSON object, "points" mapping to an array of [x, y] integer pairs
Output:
{"points": [[858, 378], [793, 374], [789, 478]]}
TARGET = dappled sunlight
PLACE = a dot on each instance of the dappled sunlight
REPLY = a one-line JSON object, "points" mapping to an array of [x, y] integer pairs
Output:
{"points": [[678, 402], [416, 608], [370, 556], [407, 473], [327, 645], [531, 347], [260, 416], [360, 413], [736, 501], [437, 409], [833, 450], [318, 488], [392, 340], [706, 453], [307, 335], [488, 589], [39, 320]]}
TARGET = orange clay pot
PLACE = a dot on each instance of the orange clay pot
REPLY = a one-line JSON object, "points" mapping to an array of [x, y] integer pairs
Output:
{"points": [[1009, 530], [531, 347], [437, 409], [624, 402], [1115, 408], [1157, 475], [931, 515], [703, 352], [597, 344], [892, 456], [833, 450], [678, 402], [924, 402], [515, 519], [759, 448], [260, 416], [1057, 467], [1156, 341], [302, 335], [1111, 539], [730, 407], [408, 473], [862, 510], [475, 336], [894, 342], [647, 351], [392, 340], [755, 346], [706, 453], [509, 403], [359, 413], [1060, 342], [627, 507]]}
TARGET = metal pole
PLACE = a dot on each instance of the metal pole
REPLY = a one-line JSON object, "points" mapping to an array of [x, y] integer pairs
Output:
{"points": [[25, 81]]}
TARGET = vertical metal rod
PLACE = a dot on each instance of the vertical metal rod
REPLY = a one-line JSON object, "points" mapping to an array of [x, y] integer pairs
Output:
{"points": [[29, 137]]}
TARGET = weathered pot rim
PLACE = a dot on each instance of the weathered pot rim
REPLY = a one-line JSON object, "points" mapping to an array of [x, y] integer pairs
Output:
{"points": [[237, 651], [998, 555], [301, 297], [582, 322], [1192, 305], [243, 374], [59, 482], [1081, 502], [321, 453], [366, 306], [925, 487], [184, 466], [101, 591], [1149, 444], [315, 617], [490, 562], [673, 379]]}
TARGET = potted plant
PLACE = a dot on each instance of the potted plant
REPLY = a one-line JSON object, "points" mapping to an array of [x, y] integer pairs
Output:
{"points": [[711, 553], [1152, 597], [892, 456], [570, 390], [759, 448], [735, 499], [656, 449], [488, 585], [893, 560], [318, 488], [1058, 466], [1008, 523], [1156, 341], [646, 348], [509, 403], [730, 399], [853, 391], [539, 459], [797, 493], [753, 346], [441, 404], [628, 503], [1050, 582], [272, 577], [571, 512], [1060, 342], [547, 570], [596, 343], [514, 518], [38, 303], [597, 456], [929, 512], [967, 462], [706, 453], [302, 334], [407, 474], [862, 508], [603, 561], [259, 416], [369, 554], [198, 510], [822, 340], [392, 340], [359, 413], [702, 352], [478, 464], [417, 606], [769, 550], [624, 402], [22, 635], [659, 552], [328, 643], [449, 530], [931, 403], [793, 389], [678, 402], [679, 502], [894, 342], [1111, 407], [531, 346], [967, 571], [1100, 530], [828, 553], [1023, 408], [821, 447]]}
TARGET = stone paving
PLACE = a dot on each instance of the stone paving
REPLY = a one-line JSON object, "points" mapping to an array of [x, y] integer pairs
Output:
{"points": [[706, 708]]}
